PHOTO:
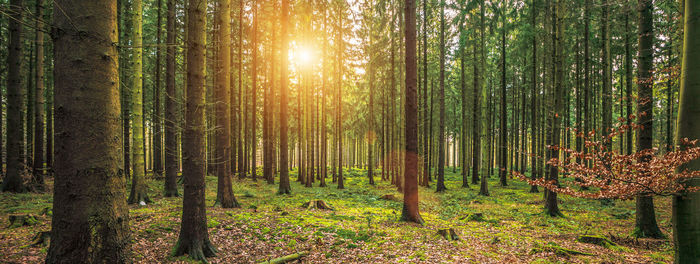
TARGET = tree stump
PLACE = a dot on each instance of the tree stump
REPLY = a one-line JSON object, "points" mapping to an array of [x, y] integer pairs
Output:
{"points": [[448, 234], [596, 240], [317, 204], [22, 220], [388, 197], [41, 239]]}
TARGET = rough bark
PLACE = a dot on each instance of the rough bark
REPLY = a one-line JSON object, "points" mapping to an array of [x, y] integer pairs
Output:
{"points": [[139, 189], [686, 206], [284, 187], [441, 97], [194, 237], [15, 129], [39, 113], [645, 221], [90, 215], [222, 96], [410, 210], [171, 145]]}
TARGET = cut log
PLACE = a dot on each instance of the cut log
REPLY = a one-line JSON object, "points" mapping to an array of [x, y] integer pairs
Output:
{"points": [[22, 220], [317, 204], [41, 239], [448, 234], [287, 258]]}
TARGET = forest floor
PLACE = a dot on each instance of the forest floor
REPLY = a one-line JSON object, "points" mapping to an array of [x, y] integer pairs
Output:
{"points": [[507, 227]]}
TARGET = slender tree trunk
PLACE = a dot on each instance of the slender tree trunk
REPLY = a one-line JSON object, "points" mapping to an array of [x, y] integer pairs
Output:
{"points": [[339, 81], [15, 129], [158, 112], [607, 78], [194, 238], [139, 189], [410, 210], [284, 187], [645, 224], [441, 134], [221, 94], [90, 221], [483, 188], [171, 107], [503, 133], [551, 202], [39, 154]]}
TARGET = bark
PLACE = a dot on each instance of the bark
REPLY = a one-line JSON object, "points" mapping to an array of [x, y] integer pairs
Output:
{"points": [[410, 210], [686, 206], [90, 222], [503, 170], [284, 187], [222, 96], [426, 125], [607, 78], [483, 188], [15, 129], [171, 145], [551, 201], [645, 221], [39, 114], [441, 134], [194, 237], [139, 189], [158, 112], [339, 76], [254, 95]]}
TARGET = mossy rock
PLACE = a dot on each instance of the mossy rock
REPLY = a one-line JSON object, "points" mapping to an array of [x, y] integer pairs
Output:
{"points": [[596, 240], [448, 233]]}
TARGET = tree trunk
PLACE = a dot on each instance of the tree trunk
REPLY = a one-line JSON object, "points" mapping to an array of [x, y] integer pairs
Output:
{"points": [[410, 201], [139, 189], [158, 112], [686, 206], [15, 129], [90, 222], [39, 154], [441, 126], [194, 237], [171, 159], [551, 202], [503, 133], [645, 224], [222, 96], [284, 187]]}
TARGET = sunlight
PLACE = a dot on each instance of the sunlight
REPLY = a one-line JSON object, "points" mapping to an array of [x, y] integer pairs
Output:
{"points": [[305, 56]]}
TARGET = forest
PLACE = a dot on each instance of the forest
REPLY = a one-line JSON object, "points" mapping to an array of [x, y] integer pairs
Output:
{"points": [[350, 131]]}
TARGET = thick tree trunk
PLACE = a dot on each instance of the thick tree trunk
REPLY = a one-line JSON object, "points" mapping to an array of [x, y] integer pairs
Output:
{"points": [[90, 222], [686, 206], [194, 237], [15, 129], [645, 224]]}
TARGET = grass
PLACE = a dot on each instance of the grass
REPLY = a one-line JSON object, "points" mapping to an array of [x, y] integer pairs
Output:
{"points": [[508, 226]]}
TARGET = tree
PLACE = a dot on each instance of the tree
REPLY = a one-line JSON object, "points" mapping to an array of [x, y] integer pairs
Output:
{"points": [[503, 159], [171, 145], [410, 210], [686, 206], [157, 109], [339, 94], [139, 189], [15, 130], [194, 237], [222, 96], [441, 134], [284, 187], [39, 154], [645, 221], [551, 202], [90, 221]]}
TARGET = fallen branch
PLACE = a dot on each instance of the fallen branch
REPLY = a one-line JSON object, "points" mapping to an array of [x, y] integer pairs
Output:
{"points": [[287, 258]]}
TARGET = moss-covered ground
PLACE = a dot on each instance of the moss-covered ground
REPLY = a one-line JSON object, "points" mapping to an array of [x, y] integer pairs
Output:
{"points": [[507, 227]]}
